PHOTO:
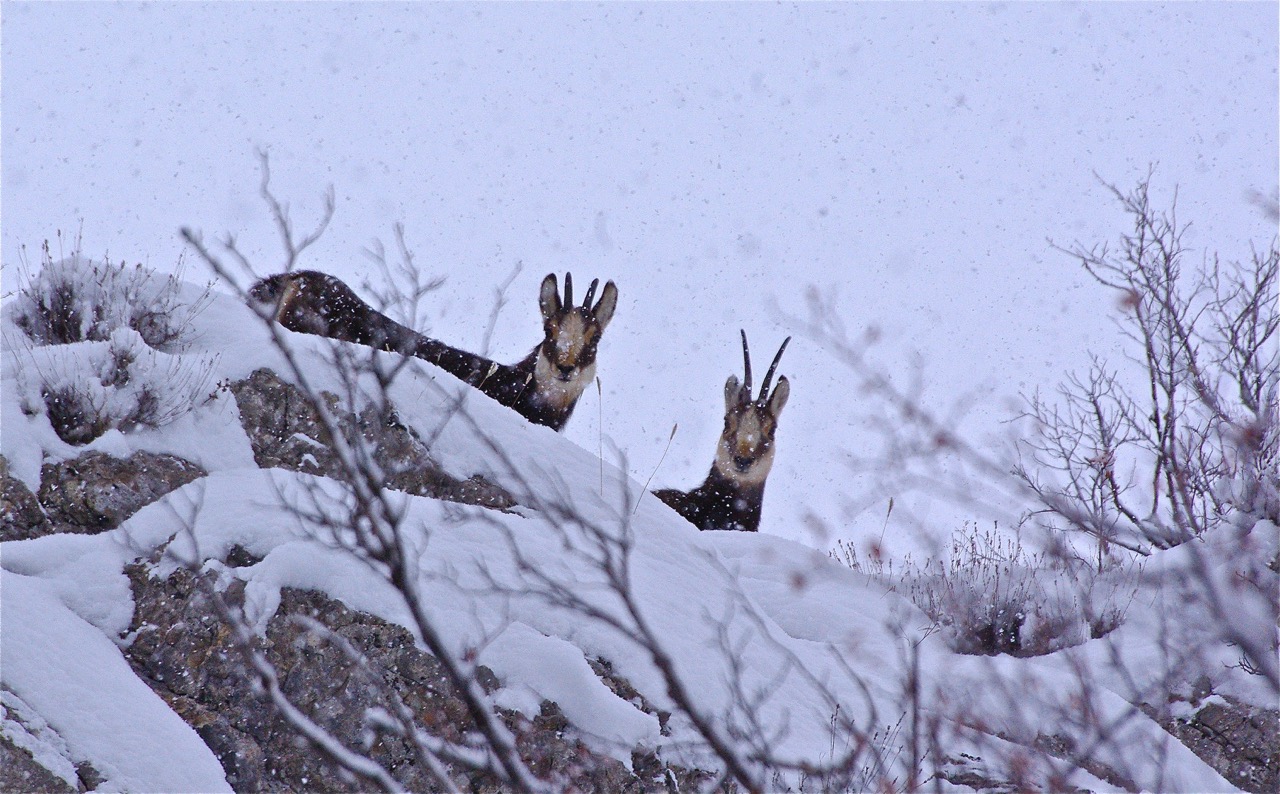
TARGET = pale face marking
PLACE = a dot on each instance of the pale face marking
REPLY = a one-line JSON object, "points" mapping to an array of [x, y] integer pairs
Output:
{"points": [[554, 388], [565, 363], [745, 438]]}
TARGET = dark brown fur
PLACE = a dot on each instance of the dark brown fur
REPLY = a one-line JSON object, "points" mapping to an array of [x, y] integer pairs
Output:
{"points": [[316, 303], [719, 503]]}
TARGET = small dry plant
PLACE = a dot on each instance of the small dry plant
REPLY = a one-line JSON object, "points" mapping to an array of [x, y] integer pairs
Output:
{"points": [[126, 372], [75, 299], [991, 596]]}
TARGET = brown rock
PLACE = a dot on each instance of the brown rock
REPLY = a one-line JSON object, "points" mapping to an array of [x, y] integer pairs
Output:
{"points": [[1239, 740], [96, 492], [20, 513], [185, 652], [285, 431]]}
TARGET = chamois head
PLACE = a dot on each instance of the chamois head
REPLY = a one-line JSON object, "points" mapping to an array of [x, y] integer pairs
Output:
{"points": [[566, 359], [745, 453]]}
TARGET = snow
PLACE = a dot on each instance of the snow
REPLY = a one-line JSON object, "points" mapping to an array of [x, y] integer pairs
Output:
{"points": [[737, 613], [908, 159], [28, 730], [552, 669], [1172, 605], [74, 677]]}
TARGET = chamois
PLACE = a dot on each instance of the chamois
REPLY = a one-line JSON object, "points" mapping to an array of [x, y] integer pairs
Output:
{"points": [[543, 387], [733, 493]]}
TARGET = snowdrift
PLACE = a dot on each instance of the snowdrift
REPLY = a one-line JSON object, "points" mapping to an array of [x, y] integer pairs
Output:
{"points": [[764, 634]]}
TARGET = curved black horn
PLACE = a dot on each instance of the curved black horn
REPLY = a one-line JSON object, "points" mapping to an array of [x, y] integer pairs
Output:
{"points": [[591, 293], [568, 290], [768, 376], [746, 365]]}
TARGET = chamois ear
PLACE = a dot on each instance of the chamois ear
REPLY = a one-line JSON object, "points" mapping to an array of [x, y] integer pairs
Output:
{"points": [[732, 393], [779, 397], [603, 311], [549, 297]]}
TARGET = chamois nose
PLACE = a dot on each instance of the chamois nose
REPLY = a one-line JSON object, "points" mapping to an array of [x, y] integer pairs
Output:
{"points": [[742, 462], [566, 371]]}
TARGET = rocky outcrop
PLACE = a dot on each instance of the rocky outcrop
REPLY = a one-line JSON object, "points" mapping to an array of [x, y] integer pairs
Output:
{"points": [[20, 513], [285, 431], [92, 493], [24, 736], [1239, 740], [185, 651], [339, 666], [19, 771], [96, 492]]}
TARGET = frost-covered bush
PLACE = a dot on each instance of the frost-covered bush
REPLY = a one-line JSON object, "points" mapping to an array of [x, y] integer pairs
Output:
{"points": [[120, 384], [991, 596], [76, 299], [104, 342], [1148, 457]]}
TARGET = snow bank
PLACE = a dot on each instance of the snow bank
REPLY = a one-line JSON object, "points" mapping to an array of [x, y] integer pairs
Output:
{"points": [[75, 678], [743, 618]]}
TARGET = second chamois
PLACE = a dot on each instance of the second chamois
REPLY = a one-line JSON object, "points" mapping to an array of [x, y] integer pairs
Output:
{"points": [[543, 387], [733, 493]]}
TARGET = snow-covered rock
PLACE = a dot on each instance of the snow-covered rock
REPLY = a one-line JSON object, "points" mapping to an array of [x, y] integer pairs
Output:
{"points": [[111, 641]]}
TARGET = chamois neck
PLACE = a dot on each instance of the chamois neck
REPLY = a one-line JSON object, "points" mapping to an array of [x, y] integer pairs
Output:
{"points": [[730, 503]]}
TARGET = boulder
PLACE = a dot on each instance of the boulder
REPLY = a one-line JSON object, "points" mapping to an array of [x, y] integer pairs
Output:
{"points": [[97, 492], [335, 665], [19, 771], [285, 431], [20, 513], [1239, 740]]}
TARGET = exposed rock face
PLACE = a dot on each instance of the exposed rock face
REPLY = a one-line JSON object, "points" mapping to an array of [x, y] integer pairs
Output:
{"points": [[1241, 741], [285, 432], [19, 771], [24, 737], [185, 652], [20, 513], [96, 492], [89, 494]]}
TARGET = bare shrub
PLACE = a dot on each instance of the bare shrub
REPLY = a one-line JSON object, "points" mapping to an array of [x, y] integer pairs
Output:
{"points": [[132, 318], [1198, 440], [599, 555], [991, 595], [77, 416], [120, 384], [76, 299], [988, 596], [1112, 471]]}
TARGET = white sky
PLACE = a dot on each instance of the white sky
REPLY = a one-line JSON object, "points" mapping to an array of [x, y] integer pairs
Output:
{"points": [[713, 159]]}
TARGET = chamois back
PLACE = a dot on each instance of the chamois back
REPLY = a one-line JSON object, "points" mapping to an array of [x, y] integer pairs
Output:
{"points": [[544, 387]]}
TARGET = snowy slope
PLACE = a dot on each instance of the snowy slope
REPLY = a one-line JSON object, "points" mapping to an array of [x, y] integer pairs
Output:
{"points": [[736, 612]]}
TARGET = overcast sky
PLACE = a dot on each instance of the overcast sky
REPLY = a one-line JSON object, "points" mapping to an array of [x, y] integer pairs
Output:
{"points": [[715, 160]]}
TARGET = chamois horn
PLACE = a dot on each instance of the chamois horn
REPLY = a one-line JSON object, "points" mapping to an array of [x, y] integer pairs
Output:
{"points": [[746, 365], [768, 376], [568, 289], [591, 293]]}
